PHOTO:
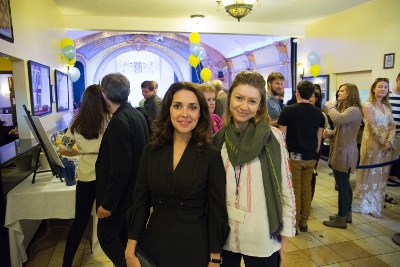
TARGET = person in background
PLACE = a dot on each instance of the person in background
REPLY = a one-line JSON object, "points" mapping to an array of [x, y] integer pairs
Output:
{"points": [[376, 147], [275, 87], [343, 156], [315, 100], [394, 100], [153, 102], [182, 176], [259, 187], [220, 101], [141, 103], [117, 166], [281, 97], [86, 131], [302, 124], [209, 94]]}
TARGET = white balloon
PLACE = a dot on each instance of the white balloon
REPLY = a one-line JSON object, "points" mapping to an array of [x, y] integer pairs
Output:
{"points": [[74, 74], [202, 54]]}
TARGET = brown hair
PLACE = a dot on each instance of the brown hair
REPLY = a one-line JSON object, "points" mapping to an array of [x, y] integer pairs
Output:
{"points": [[372, 98], [353, 97], [93, 114], [257, 81], [162, 128], [206, 88]]}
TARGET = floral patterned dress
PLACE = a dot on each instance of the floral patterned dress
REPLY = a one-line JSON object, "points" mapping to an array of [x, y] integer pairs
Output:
{"points": [[371, 183]]}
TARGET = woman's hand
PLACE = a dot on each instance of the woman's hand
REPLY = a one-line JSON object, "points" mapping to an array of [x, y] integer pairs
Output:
{"points": [[284, 245], [388, 146], [130, 257]]}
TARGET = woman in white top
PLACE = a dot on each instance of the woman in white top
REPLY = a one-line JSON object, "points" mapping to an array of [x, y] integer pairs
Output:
{"points": [[260, 198], [86, 131]]}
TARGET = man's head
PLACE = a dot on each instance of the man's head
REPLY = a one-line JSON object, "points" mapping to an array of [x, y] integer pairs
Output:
{"points": [[147, 89], [398, 82], [116, 88], [217, 85], [275, 83], [305, 89]]}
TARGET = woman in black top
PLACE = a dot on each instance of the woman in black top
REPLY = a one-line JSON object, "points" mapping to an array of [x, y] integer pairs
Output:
{"points": [[182, 176]]}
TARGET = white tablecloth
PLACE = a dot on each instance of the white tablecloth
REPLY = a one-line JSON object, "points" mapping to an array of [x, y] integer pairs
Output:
{"points": [[7, 118], [27, 203]]}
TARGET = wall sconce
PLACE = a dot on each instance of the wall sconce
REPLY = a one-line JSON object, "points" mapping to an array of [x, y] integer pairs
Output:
{"points": [[300, 69], [197, 18]]}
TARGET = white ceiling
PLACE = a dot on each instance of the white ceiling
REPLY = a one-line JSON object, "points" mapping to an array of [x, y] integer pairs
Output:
{"points": [[277, 12]]}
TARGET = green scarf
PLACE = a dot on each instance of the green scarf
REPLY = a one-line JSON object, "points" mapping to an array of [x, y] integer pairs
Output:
{"points": [[258, 141]]}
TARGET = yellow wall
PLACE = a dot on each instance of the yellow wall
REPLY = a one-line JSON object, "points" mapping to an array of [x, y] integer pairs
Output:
{"points": [[355, 40], [5, 64], [38, 27]]}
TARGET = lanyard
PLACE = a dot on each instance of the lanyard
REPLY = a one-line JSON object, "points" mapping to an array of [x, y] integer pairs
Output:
{"points": [[238, 172]]}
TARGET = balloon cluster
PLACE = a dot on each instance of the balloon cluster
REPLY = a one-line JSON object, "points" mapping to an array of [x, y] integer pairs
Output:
{"points": [[313, 59], [68, 54], [198, 53]]}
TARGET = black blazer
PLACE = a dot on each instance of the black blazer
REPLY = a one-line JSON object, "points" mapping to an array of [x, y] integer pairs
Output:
{"points": [[119, 157]]}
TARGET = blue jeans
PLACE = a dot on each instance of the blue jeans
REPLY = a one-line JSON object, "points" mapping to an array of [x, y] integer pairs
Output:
{"points": [[84, 199], [345, 194]]}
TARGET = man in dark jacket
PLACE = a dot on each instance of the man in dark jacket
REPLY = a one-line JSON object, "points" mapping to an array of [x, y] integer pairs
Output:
{"points": [[117, 166]]}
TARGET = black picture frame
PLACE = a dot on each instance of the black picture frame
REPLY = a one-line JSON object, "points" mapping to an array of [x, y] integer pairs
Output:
{"points": [[388, 61], [40, 88], [6, 29], [62, 90], [323, 81]]}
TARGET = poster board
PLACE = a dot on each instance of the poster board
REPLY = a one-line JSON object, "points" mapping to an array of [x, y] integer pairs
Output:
{"points": [[38, 131]]}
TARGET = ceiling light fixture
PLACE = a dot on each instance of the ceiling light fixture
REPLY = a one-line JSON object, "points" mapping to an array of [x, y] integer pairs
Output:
{"points": [[238, 8], [197, 18]]}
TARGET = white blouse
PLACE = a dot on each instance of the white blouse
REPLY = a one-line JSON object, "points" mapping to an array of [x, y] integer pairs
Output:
{"points": [[252, 237]]}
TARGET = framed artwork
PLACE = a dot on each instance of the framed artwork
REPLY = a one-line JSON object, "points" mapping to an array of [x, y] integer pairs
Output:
{"points": [[323, 81], [62, 90], [39, 83], [6, 30], [388, 61]]}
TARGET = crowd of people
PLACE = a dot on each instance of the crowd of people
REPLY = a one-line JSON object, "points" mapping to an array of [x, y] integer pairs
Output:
{"points": [[184, 180]]}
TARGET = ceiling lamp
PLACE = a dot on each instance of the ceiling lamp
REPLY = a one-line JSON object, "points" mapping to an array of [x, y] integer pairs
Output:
{"points": [[238, 8]]}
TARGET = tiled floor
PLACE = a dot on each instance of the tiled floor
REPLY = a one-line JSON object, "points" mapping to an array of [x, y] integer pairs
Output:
{"points": [[366, 242]]}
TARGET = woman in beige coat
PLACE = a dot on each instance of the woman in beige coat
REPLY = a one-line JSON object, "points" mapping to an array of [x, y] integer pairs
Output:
{"points": [[343, 156]]}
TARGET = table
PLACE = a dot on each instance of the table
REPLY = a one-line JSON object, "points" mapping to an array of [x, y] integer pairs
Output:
{"points": [[7, 118], [28, 204]]}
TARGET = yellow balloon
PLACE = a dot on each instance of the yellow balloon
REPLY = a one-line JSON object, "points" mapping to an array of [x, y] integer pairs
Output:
{"points": [[314, 70], [194, 37], [205, 74], [67, 41], [69, 62], [193, 61]]}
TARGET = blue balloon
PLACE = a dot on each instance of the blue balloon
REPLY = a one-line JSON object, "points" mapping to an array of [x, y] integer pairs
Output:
{"points": [[195, 49], [202, 55], [69, 52], [312, 58]]}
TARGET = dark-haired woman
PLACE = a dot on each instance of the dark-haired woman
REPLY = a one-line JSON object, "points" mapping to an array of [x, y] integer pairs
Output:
{"points": [[86, 131], [182, 176]]}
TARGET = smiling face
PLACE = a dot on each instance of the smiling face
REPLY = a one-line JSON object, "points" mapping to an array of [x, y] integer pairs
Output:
{"points": [[342, 94], [184, 112], [244, 104], [210, 98]]}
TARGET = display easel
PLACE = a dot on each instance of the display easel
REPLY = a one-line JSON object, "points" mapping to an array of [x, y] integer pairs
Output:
{"points": [[44, 143]]}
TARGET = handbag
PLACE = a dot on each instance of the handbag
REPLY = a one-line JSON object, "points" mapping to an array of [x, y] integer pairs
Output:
{"points": [[144, 261]]}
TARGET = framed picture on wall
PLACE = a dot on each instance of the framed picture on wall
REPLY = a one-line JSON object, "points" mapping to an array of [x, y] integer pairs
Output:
{"points": [[62, 90], [323, 82], [39, 83], [6, 30], [388, 61]]}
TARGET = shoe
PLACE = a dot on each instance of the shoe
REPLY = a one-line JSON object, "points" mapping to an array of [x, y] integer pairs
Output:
{"points": [[297, 233], [303, 228], [337, 222], [349, 217], [390, 200], [393, 181]]}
